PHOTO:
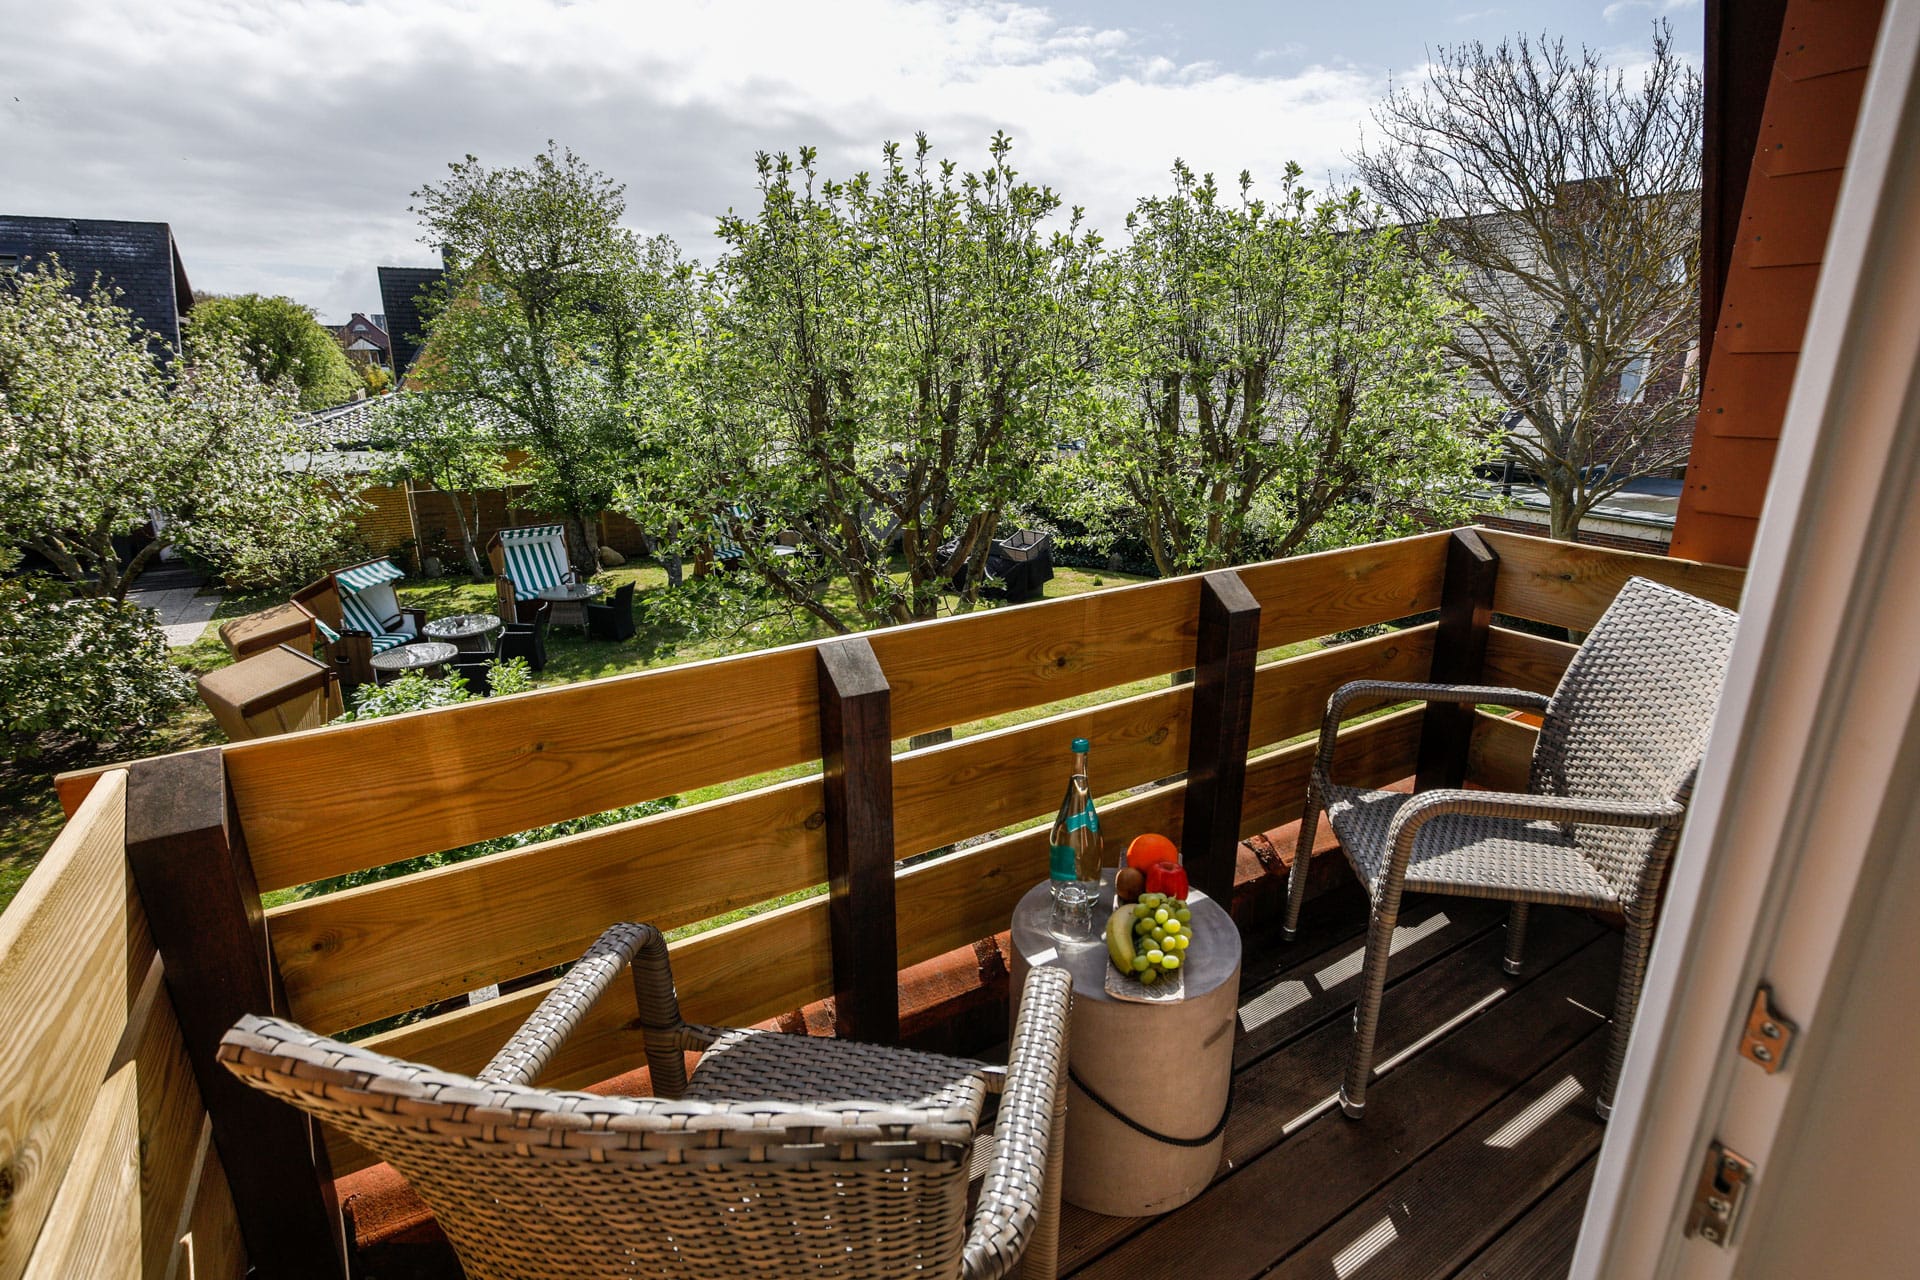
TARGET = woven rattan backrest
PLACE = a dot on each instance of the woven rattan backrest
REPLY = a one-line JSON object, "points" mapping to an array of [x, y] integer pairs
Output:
{"points": [[1630, 718], [533, 1183]]}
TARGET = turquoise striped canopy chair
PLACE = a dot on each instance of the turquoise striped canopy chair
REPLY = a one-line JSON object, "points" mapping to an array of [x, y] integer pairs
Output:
{"points": [[358, 615], [527, 560]]}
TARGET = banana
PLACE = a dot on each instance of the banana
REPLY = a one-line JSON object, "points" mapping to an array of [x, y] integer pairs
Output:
{"points": [[1120, 938]]}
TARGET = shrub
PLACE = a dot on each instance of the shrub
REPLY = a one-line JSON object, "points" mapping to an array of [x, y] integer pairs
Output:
{"points": [[79, 669]]}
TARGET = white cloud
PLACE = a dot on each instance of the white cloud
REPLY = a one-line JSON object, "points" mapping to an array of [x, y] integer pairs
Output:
{"points": [[1645, 8], [282, 140]]}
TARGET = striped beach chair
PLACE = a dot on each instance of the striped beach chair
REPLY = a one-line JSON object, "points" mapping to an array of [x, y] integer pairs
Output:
{"points": [[527, 560], [357, 615]]}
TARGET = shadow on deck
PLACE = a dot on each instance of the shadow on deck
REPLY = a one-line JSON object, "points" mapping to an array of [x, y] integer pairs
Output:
{"points": [[1477, 1148]]}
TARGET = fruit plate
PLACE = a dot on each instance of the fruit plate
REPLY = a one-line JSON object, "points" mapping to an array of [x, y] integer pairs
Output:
{"points": [[1171, 987]]}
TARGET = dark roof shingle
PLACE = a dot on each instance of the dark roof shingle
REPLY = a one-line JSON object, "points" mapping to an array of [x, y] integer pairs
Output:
{"points": [[138, 258], [400, 290]]}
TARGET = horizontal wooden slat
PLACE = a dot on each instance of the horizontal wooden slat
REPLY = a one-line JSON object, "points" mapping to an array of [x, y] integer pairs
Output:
{"points": [[958, 670], [1317, 595], [1502, 752], [1516, 660], [952, 901], [736, 975], [351, 957], [73, 951], [1565, 584], [1290, 697], [329, 801], [978, 784], [94, 1227]]}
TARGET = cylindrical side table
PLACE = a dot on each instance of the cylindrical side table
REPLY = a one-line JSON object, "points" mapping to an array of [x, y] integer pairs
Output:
{"points": [[1167, 1067]]}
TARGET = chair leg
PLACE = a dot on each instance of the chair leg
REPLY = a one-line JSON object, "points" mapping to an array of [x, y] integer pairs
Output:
{"points": [[1366, 1012], [1626, 1002], [1302, 855], [1516, 937]]}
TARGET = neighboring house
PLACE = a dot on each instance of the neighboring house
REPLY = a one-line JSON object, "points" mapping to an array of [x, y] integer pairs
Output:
{"points": [[365, 339], [139, 259], [400, 293]]}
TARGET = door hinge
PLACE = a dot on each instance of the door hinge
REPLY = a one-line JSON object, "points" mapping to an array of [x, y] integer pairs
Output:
{"points": [[1724, 1179], [1768, 1036]]}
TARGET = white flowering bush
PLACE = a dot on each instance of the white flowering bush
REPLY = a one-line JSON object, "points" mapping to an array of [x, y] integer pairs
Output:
{"points": [[79, 669]]}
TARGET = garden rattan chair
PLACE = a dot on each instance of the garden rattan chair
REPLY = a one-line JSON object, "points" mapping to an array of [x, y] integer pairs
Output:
{"points": [[779, 1155], [1611, 775], [614, 619], [528, 639]]}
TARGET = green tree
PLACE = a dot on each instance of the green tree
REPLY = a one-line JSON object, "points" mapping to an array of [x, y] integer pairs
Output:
{"points": [[1276, 379], [882, 362], [447, 441], [100, 442], [1570, 196], [540, 321], [280, 339]]}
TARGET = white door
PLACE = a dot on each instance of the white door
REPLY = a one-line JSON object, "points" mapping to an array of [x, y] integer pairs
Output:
{"points": [[1800, 867]]}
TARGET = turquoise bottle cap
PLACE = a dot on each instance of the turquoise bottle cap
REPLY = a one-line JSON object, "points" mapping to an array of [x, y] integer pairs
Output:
{"points": [[1081, 745]]}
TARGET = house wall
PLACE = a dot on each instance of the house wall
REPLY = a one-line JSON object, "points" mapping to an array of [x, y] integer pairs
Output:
{"points": [[1805, 130], [383, 520]]}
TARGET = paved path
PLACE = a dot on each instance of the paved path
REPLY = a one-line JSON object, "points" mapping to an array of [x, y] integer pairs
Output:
{"points": [[175, 596]]}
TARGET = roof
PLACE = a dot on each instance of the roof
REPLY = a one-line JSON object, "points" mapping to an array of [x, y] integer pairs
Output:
{"points": [[138, 258], [354, 425], [400, 289]]}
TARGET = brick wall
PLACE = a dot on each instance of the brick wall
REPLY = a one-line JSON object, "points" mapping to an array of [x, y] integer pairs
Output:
{"points": [[383, 520]]}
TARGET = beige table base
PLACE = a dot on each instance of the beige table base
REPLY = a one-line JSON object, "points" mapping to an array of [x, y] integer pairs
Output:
{"points": [[1167, 1066]]}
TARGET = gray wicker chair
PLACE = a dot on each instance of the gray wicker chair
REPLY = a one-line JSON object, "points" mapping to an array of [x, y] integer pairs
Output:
{"points": [[779, 1155], [1611, 775]]}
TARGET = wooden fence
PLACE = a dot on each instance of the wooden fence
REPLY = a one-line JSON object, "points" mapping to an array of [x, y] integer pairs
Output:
{"points": [[212, 830]]}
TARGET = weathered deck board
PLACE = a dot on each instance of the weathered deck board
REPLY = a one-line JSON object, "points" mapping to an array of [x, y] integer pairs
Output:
{"points": [[1284, 1091], [1540, 1245]]}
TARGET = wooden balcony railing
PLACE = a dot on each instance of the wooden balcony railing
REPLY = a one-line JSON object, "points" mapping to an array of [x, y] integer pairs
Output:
{"points": [[149, 905]]}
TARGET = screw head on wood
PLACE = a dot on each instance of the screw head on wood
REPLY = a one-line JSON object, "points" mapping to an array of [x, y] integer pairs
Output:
{"points": [[1763, 1053], [1710, 1234]]}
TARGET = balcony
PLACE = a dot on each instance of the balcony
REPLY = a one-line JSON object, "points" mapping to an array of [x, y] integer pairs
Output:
{"points": [[143, 933]]}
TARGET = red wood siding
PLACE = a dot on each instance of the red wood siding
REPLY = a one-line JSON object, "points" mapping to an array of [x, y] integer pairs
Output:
{"points": [[1813, 98]]}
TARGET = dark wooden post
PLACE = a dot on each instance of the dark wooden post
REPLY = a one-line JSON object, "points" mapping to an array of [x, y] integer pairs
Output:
{"points": [[856, 749], [1224, 656], [189, 862], [1459, 654]]}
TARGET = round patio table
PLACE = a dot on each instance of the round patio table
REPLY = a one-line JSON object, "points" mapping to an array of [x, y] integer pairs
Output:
{"points": [[427, 657], [1177, 1092], [569, 601], [467, 632]]}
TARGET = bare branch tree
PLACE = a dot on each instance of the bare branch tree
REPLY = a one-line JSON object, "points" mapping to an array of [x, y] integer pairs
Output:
{"points": [[1569, 193]]}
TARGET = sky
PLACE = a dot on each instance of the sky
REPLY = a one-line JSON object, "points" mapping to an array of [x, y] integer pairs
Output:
{"points": [[282, 138]]}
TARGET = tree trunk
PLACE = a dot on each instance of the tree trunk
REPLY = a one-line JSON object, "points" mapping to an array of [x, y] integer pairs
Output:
{"points": [[1563, 521], [468, 550]]}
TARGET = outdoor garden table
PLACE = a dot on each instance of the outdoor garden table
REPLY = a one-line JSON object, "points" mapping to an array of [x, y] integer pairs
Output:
{"points": [[1168, 1067], [569, 601], [467, 632], [429, 657]]}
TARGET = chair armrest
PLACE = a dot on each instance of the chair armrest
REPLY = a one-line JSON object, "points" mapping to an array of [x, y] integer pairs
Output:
{"points": [[1405, 691], [1018, 1216], [419, 617], [641, 946], [1404, 830]]}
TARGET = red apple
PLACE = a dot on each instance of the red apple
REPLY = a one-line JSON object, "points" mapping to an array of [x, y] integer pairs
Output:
{"points": [[1169, 878]]}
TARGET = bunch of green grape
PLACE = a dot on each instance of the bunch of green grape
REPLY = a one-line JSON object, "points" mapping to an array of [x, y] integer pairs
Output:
{"points": [[1162, 934]]}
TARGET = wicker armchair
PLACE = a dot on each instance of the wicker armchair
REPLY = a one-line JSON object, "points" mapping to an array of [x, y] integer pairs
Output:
{"points": [[1611, 776], [779, 1155]]}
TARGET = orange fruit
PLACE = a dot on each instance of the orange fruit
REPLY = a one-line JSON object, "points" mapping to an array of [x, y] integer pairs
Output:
{"points": [[1148, 849]]}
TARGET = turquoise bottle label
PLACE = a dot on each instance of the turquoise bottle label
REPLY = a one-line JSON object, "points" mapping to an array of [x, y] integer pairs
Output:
{"points": [[1060, 862]]}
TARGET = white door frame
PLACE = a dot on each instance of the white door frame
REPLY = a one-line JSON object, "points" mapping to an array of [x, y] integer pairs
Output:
{"points": [[1787, 841]]}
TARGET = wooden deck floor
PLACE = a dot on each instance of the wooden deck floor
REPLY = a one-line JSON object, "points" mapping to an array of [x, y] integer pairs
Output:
{"points": [[1478, 1144]]}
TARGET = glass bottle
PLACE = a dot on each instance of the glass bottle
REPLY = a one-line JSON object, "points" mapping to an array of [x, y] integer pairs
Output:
{"points": [[1074, 857]]}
